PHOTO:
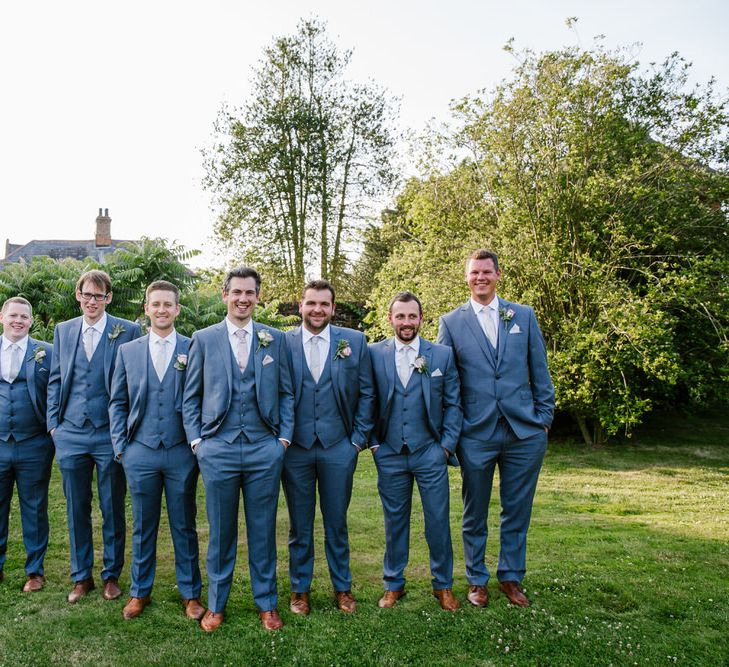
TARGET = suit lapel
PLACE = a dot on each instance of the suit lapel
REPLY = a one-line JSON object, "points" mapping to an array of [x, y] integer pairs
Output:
{"points": [[478, 334], [504, 328], [108, 350], [181, 348], [297, 354], [426, 351], [258, 352], [390, 368], [30, 371], [142, 362], [335, 335], [225, 353]]}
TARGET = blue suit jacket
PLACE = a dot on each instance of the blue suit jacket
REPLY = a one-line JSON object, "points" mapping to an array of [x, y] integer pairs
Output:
{"points": [[441, 392], [515, 384], [65, 344], [208, 387], [37, 374], [351, 379], [129, 389]]}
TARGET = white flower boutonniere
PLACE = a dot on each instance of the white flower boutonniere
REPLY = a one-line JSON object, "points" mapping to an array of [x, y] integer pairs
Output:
{"points": [[421, 365], [506, 315], [115, 331], [180, 362], [343, 350], [264, 339], [39, 354]]}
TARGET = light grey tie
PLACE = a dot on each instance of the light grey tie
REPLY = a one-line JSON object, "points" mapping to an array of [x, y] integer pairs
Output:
{"points": [[314, 358], [242, 348], [160, 356], [487, 324], [403, 366], [89, 342], [14, 362]]}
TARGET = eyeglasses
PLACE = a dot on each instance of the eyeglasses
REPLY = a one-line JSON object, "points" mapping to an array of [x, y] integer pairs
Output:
{"points": [[88, 296]]}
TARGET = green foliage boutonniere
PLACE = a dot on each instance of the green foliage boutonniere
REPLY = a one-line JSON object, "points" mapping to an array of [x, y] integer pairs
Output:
{"points": [[115, 331]]}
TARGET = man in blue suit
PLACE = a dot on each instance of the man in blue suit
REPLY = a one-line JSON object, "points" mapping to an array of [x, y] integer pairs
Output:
{"points": [[84, 354], [508, 404], [145, 414], [238, 411], [26, 450], [334, 400], [418, 419]]}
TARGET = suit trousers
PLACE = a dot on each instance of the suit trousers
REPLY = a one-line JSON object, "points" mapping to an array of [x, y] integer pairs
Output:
{"points": [[519, 463], [78, 451], [149, 472], [255, 469], [395, 476], [333, 468], [26, 464]]}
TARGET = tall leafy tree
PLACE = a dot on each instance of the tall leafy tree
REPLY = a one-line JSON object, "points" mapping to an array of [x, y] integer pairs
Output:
{"points": [[295, 169]]}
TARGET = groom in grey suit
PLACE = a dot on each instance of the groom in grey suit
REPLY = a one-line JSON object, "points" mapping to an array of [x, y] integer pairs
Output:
{"points": [[508, 404], [334, 400], [238, 412], [146, 429]]}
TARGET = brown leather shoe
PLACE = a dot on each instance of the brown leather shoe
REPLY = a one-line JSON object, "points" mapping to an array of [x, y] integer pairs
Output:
{"points": [[478, 596], [135, 606], [300, 604], [211, 621], [111, 589], [446, 598], [193, 609], [388, 600], [346, 601], [80, 589], [513, 591], [33, 583], [270, 620]]}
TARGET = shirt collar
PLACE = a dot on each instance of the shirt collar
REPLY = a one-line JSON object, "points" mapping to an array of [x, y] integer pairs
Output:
{"points": [[306, 335], [414, 343], [493, 305], [22, 343], [99, 326], [232, 328], [172, 338]]}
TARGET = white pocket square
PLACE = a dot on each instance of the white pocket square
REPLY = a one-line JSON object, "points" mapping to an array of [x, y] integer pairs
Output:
{"points": [[268, 359], [515, 329], [436, 373]]}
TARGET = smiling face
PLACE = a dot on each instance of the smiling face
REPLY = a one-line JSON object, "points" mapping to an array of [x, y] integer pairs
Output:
{"points": [[405, 318], [241, 299], [482, 278], [162, 309], [316, 308], [93, 299], [16, 319]]}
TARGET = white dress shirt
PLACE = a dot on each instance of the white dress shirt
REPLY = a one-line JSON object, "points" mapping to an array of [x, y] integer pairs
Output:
{"points": [[6, 355], [492, 312], [234, 340], [98, 332], [324, 345], [169, 348]]}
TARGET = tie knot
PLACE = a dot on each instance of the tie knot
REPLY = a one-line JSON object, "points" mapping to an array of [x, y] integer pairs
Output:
{"points": [[241, 333], [162, 341]]}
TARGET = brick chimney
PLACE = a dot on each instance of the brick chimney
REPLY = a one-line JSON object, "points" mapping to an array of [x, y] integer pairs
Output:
{"points": [[103, 229]]}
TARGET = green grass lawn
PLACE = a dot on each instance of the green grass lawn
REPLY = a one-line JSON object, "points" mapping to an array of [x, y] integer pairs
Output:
{"points": [[628, 565]]}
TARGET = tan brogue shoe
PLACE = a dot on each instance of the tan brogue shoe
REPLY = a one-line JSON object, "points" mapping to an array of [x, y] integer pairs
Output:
{"points": [[111, 589], [346, 601], [211, 621], [446, 598], [80, 589], [193, 609], [135, 606], [300, 604], [270, 620], [478, 596], [513, 591], [388, 600], [33, 583]]}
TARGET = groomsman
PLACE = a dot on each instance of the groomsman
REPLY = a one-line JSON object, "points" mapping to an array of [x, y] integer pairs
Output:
{"points": [[238, 411], [418, 420], [26, 450], [508, 403], [84, 354], [334, 400], [145, 414]]}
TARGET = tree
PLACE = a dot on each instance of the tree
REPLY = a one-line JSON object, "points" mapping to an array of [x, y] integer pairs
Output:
{"points": [[603, 189], [295, 168]]}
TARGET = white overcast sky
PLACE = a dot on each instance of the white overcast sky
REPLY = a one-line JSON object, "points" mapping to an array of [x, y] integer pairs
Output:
{"points": [[107, 104]]}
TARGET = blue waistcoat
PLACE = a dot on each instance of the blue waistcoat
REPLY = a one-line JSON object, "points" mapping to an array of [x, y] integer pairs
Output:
{"points": [[408, 423], [317, 414], [88, 398], [243, 416], [17, 417], [161, 423]]}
